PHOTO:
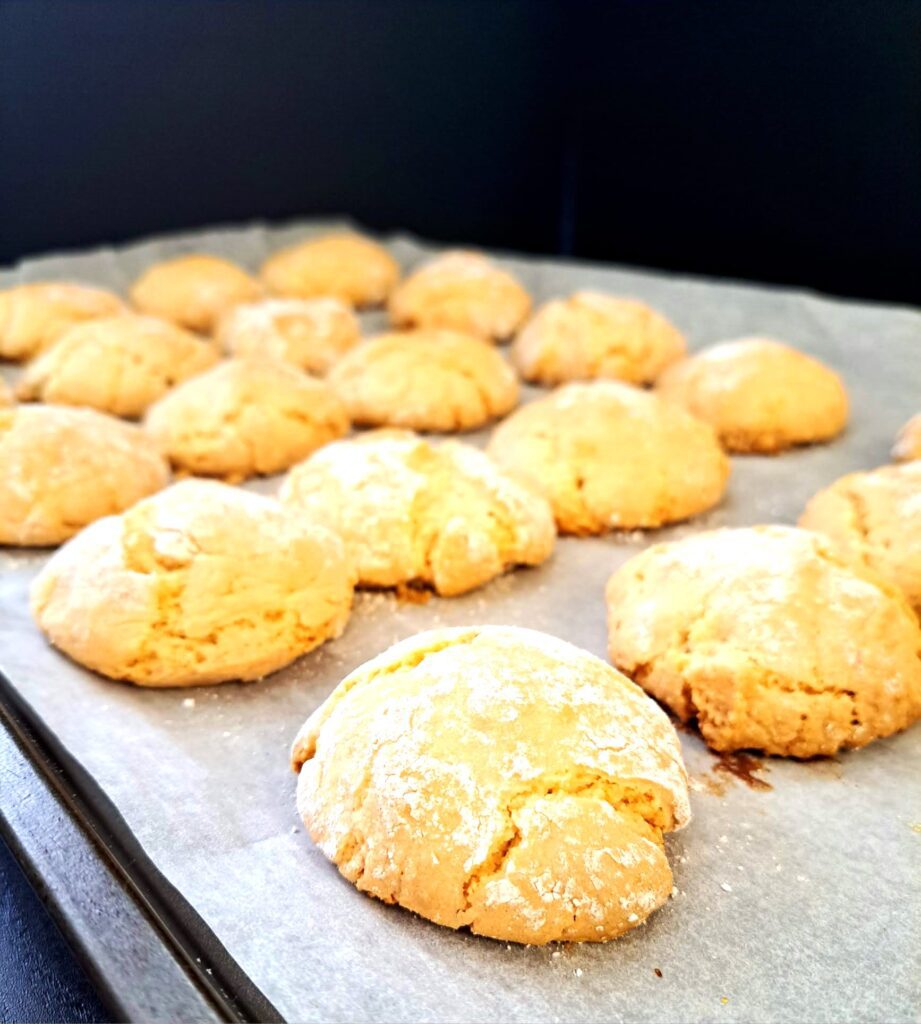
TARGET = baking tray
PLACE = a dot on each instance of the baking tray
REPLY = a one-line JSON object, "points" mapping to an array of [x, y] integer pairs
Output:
{"points": [[798, 885]]}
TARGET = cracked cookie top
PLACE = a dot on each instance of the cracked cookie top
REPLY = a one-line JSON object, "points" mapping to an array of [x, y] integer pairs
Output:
{"points": [[759, 394], [246, 416], [412, 512], [769, 639], [874, 519], [592, 335], [193, 291], [201, 584], [461, 291], [119, 364], [611, 456], [499, 779], [310, 333], [346, 266], [34, 316], [62, 468], [434, 380]]}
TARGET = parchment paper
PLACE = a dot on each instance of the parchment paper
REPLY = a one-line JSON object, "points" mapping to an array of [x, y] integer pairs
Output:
{"points": [[798, 903]]}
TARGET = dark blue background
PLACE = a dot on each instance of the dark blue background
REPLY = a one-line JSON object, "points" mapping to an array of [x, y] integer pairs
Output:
{"points": [[777, 140]]}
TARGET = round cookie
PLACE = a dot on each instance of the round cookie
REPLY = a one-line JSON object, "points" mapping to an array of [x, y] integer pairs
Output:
{"points": [[759, 394], [907, 445], [769, 639], [193, 291], [34, 316], [499, 779], [874, 519], [246, 417], [425, 380], [610, 456], [346, 266], [310, 333], [201, 584], [63, 468], [461, 291], [411, 512], [118, 364], [591, 335]]}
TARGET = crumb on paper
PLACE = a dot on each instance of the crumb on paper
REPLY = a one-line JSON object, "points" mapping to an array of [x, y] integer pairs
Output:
{"points": [[578, 972], [724, 1000], [915, 826], [188, 702], [802, 878], [724, 839], [726, 887], [674, 891], [657, 971], [556, 954]]}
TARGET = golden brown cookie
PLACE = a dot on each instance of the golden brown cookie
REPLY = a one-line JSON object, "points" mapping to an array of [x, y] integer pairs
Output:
{"points": [[461, 291], [118, 364], [425, 380], [345, 266], [769, 639], [245, 417], [34, 316], [610, 456], [193, 291], [63, 468], [200, 584], [411, 512], [874, 519], [591, 335], [759, 394], [499, 779], [310, 333], [907, 445]]}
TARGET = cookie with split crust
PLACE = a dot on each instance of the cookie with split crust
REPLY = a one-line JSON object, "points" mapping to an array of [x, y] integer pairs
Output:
{"points": [[203, 583], [496, 778], [769, 639], [412, 512], [609, 456]]}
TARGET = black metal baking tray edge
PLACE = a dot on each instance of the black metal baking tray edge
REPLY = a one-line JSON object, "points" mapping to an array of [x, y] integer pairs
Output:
{"points": [[150, 955]]}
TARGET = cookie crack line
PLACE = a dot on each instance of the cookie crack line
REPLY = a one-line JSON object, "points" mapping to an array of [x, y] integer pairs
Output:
{"points": [[633, 802], [306, 747]]}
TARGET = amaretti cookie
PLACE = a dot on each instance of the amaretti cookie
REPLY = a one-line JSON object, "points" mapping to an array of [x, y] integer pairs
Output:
{"points": [[118, 364], [34, 316], [769, 639], [907, 445], [194, 290], [411, 512], [592, 335], [245, 417], [425, 380], [498, 779], [874, 519], [461, 291], [610, 456], [760, 395], [201, 584], [310, 333], [63, 468], [345, 266]]}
